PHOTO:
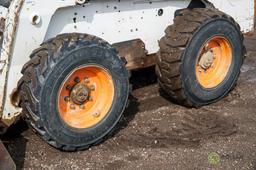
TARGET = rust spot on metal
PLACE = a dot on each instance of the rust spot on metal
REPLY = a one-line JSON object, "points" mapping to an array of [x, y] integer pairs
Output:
{"points": [[249, 34], [8, 42], [15, 98], [135, 54]]}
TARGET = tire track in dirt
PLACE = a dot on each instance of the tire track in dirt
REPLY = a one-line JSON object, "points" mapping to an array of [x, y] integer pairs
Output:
{"points": [[183, 127], [187, 130]]}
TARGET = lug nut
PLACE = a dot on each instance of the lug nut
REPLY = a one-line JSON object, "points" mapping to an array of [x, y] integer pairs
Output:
{"points": [[86, 80], [77, 80], [67, 99], [72, 107], [82, 107], [96, 114], [69, 87], [93, 87], [90, 98]]}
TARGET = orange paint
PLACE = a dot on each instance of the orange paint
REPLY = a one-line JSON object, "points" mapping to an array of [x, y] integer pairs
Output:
{"points": [[92, 111], [216, 74]]}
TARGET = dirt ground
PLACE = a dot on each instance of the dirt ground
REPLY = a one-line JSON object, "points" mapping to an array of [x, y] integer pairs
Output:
{"points": [[157, 134]]}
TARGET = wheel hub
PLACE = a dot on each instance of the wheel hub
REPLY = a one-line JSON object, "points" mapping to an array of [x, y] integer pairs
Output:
{"points": [[80, 94], [86, 96], [214, 62], [206, 60]]}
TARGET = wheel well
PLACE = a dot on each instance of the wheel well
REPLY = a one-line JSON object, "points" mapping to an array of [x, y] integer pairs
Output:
{"points": [[196, 4], [200, 4]]}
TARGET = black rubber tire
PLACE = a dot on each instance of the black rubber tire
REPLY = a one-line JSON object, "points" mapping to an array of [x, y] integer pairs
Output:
{"points": [[178, 53], [43, 75]]}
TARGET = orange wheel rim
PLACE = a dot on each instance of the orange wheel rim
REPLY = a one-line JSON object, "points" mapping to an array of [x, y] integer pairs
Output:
{"points": [[214, 61], [86, 96]]}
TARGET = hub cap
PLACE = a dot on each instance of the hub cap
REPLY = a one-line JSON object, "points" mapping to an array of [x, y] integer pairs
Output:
{"points": [[214, 62], [80, 94], [86, 96]]}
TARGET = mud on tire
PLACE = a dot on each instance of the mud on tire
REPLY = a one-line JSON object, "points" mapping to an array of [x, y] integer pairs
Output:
{"points": [[179, 50], [45, 72]]}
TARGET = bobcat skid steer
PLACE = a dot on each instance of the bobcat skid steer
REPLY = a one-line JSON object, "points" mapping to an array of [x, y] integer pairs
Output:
{"points": [[65, 64]]}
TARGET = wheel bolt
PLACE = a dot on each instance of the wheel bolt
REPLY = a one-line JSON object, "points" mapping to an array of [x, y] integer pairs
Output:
{"points": [[82, 107], [96, 114], [86, 80], [90, 98], [93, 87], [72, 107], [69, 87], [77, 80], [67, 99]]}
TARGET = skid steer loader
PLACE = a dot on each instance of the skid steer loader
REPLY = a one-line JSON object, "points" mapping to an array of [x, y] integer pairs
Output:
{"points": [[65, 64]]}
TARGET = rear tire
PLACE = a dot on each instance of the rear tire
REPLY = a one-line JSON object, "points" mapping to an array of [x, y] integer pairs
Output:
{"points": [[44, 106], [180, 51]]}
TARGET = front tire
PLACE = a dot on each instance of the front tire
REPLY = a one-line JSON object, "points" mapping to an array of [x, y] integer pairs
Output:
{"points": [[200, 57], [74, 91]]}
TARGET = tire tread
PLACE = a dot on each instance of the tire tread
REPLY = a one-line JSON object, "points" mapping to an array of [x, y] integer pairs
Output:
{"points": [[173, 45], [35, 73]]}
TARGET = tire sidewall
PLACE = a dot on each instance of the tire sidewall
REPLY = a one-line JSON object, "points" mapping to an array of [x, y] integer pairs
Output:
{"points": [[92, 55], [194, 91]]}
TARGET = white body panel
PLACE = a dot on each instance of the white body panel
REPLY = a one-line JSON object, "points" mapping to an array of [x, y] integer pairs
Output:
{"points": [[111, 20]]}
